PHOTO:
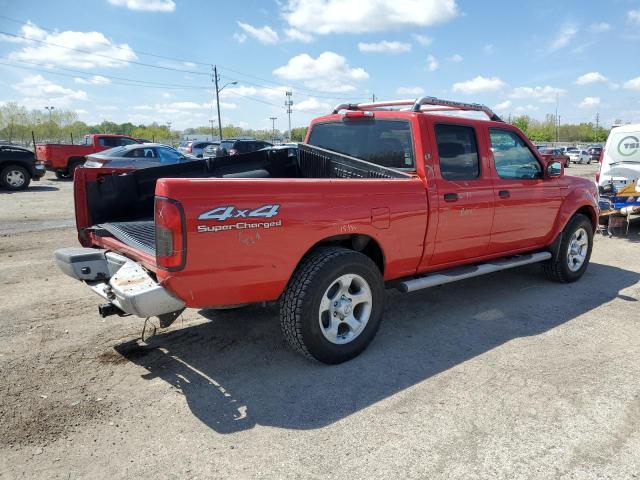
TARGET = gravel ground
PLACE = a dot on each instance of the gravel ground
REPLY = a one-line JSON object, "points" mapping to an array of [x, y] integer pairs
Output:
{"points": [[507, 376]]}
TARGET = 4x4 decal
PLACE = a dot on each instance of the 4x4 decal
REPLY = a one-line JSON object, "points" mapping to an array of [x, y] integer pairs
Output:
{"points": [[229, 212]]}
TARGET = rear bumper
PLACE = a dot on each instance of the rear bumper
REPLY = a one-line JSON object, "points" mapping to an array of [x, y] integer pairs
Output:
{"points": [[118, 280], [38, 171]]}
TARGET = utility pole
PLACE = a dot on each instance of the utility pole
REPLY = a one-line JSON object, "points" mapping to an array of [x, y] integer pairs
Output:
{"points": [[289, 103], [558, 130], [214, 78], [212, 131], [273, 127], [597, 127], [169, 126], [373, 98], [51, 108], [557, 119]]}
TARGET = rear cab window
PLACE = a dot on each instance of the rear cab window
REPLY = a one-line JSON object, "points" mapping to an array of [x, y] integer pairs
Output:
{"points": [[457, 151], [388, 143]]}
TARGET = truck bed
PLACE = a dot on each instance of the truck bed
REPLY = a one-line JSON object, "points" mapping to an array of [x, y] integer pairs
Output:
{"points": [[139, 234]]}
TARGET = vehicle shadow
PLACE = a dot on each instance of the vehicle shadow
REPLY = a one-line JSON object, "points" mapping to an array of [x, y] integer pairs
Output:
{"points": [[236, 371], [32, 188]]}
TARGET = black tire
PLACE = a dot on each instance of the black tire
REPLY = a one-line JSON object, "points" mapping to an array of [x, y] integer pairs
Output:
{"points": [[557, 269], [60, 175], [15, 177], [72, 167], [300, 306], [567, 164]]}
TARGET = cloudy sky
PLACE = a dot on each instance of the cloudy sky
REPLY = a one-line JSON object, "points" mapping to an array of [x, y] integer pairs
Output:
{"points": [[146, 60]]}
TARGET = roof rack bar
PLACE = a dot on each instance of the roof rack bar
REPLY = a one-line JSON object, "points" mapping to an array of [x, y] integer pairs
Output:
{"points": [[417, 107], [372, 105]]}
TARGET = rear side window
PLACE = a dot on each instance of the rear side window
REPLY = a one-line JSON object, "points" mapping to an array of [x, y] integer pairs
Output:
{"points": [[126, 141], [384, 142], [458, 152], [512, 157]]}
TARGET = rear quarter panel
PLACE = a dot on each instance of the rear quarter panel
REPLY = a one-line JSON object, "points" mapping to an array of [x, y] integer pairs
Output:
{"points": [[251, 265]]}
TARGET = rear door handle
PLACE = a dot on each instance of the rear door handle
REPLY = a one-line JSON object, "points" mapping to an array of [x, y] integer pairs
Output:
{"points": [[504, 194], [450, 197]]}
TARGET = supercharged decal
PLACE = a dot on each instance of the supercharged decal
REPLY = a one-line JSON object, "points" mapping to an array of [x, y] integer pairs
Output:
{"points": [[230, 212]]}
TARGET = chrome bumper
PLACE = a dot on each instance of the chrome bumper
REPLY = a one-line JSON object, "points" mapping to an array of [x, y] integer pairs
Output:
{"points": [[120, 281]]}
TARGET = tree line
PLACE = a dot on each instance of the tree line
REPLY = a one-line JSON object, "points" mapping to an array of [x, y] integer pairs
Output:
{"points": [[20, 125]]}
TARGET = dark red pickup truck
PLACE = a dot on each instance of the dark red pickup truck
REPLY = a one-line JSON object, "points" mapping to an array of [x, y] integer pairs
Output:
{"points": [[63, 159], [380, 195]]}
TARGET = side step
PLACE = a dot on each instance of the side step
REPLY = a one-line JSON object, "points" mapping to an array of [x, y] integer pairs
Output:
{"points": [[461, 273]]}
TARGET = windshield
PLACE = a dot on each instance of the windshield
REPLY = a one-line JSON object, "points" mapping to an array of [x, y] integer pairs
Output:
{"points": [[384, 142]]}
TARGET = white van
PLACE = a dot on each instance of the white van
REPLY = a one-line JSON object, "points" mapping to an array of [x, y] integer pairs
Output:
{"points": [[621, 157]]}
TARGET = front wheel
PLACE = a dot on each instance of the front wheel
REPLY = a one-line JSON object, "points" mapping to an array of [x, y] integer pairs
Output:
{"points": [[15, 177], [574, 252], [332, 306]]}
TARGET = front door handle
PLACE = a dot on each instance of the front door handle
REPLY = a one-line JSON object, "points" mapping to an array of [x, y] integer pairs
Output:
{"points": [[504, 194], [450, 197]]}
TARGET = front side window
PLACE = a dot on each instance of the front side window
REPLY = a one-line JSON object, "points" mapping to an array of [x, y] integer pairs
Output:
{"points": [[458, 152], [142, 153], [388, 143], [512, 157]]}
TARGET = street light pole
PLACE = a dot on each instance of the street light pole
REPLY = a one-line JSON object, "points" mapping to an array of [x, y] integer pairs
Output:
{"points": [[212, 131], [215, 79], [273, 128], [289, 103], [51, 108], [169, 125]]}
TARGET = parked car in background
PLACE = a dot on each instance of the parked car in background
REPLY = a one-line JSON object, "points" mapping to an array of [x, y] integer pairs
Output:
{"points": [[579, 156], [195, 148], [621, 157], [63, 159], [18, 166], [210, 150], [137, 156], [555, 154], [235, 147], [595, 153]]}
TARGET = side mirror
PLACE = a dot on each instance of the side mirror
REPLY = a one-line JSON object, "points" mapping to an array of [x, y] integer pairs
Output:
{"points": [[553, 169]]}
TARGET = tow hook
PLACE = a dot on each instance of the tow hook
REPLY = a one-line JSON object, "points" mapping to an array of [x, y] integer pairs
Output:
{"points": [[108, 309]]}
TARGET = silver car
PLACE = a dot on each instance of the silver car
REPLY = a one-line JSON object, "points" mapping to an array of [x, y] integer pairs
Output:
{"points": [[137, 156], [578, 156], [195, 147]]}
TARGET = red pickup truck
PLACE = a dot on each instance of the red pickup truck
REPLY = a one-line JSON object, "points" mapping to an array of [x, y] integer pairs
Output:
{"points": [[63, 159], [380, 195]]}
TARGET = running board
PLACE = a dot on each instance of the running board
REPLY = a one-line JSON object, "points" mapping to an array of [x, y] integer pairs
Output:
{"points": [[461, 273]]}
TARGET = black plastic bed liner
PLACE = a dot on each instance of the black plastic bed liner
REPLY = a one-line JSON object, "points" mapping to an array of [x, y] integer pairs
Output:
{"points": [[140, 234]]}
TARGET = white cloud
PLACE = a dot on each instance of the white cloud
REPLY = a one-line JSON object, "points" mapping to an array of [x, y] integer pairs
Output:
{"points": [[432, 63], [146, 5], [479, 84], [297, 35], [589, 102], [488, 49], [38, 89], [591, 77], [567, 32], [81, 111], [95, 80], [265, 34], [110, 108], [527, 108], [269, 93], [384, 46], [455, 58], [633, 17], [239, 37], [414, 91], [423, 40], [600, 27], [546, 94], [503, 105], [329, 72], [102, 51], [190, 65], [312, 104], [325, 17], [633, 84], [142, 107]]}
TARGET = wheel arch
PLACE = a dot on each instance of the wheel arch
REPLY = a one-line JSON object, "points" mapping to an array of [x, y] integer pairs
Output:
{"points": [[362, 243]]}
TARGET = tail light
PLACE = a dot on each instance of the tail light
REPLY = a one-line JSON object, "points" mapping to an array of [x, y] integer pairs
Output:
{"points": [[170, 234], [191, 148], [600, 167], [232, 151], [601, 156]]}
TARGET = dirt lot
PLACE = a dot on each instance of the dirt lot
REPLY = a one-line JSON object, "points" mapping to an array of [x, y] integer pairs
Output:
{"points": [[502, 377]]}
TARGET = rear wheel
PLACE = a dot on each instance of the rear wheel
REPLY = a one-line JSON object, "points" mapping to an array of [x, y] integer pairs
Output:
{"points": [[332, 307], [15, 177], [574, 252]]}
